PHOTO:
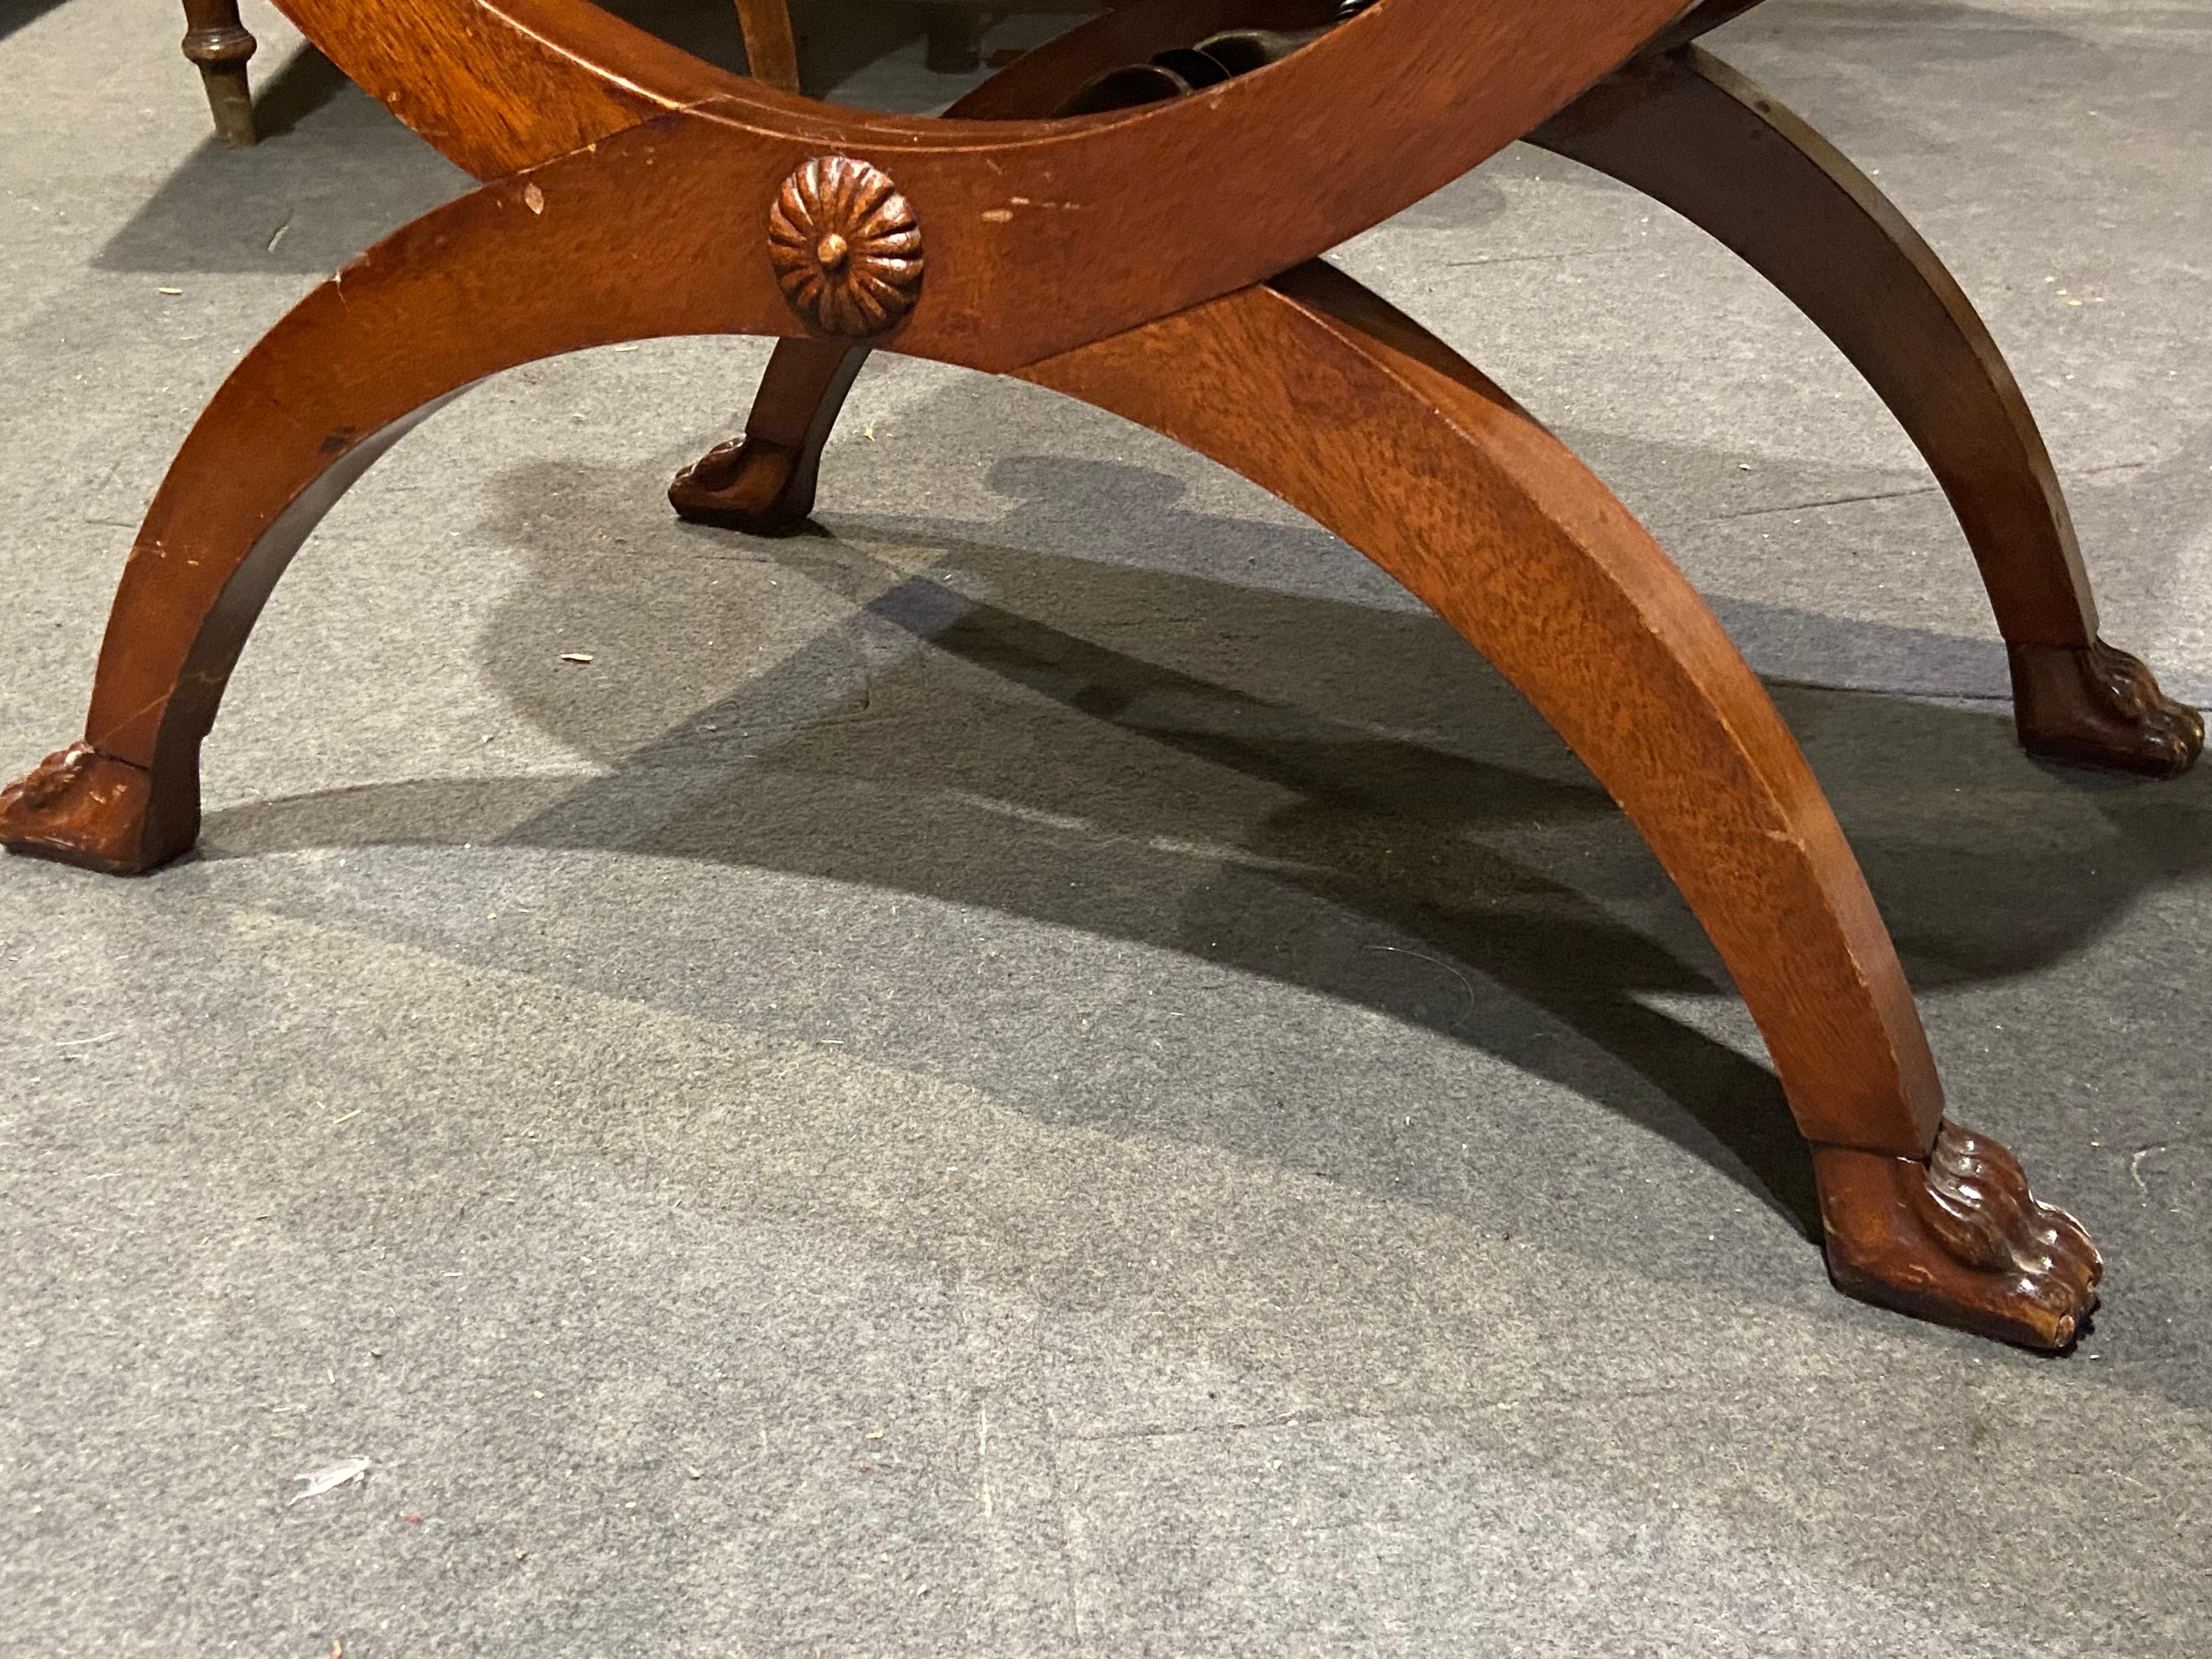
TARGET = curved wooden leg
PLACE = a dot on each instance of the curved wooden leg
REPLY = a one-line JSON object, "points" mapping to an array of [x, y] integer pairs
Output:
{"points": [[763, 481], [532, 266], [218, 43], [1465, 499], [1688, 132]]}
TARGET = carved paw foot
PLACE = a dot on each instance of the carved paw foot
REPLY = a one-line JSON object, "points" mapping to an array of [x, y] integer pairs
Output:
{"points": [[82, 807], [747, 483], [2096, 705], [1959, 1240]]}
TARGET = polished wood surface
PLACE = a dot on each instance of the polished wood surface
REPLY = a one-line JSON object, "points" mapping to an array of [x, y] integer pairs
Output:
{"points": [[1688, 130], [1160, 262], [1492, 523], [1017, 211]]}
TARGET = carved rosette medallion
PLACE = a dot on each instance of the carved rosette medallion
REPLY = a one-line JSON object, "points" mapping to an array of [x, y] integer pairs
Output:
{"points": [[846, 247]]}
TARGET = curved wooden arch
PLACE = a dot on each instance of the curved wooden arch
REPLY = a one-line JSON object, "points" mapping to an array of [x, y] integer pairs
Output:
{"points": [[1458, 493], [1690, 133], [1463, 497], [459, 295], [654, 228], [1465, 500], [1029, 220]]}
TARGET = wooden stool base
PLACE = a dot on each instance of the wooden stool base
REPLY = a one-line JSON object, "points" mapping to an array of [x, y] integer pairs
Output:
{"points": [[636, 194]]}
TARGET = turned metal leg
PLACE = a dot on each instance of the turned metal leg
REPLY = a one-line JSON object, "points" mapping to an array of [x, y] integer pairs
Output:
{"points": [[219, 44], [1688, 130], [1460, 495]]}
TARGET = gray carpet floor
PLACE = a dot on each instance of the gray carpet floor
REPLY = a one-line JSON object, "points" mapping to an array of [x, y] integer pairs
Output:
{"points": [[1056, 1068]]}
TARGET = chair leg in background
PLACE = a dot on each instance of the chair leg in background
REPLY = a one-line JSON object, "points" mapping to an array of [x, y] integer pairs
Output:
{"points": [[219, 44]]}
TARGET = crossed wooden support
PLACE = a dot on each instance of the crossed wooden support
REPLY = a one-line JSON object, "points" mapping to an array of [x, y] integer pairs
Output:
{"points": [[1162, 262]]}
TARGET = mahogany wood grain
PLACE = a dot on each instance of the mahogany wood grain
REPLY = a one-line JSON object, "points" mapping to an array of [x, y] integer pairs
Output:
{"points": [[1017, 212], [567, 256], [1492, 522], [1120, 260], [499, 87], [1689, 132], [763, 482]]}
